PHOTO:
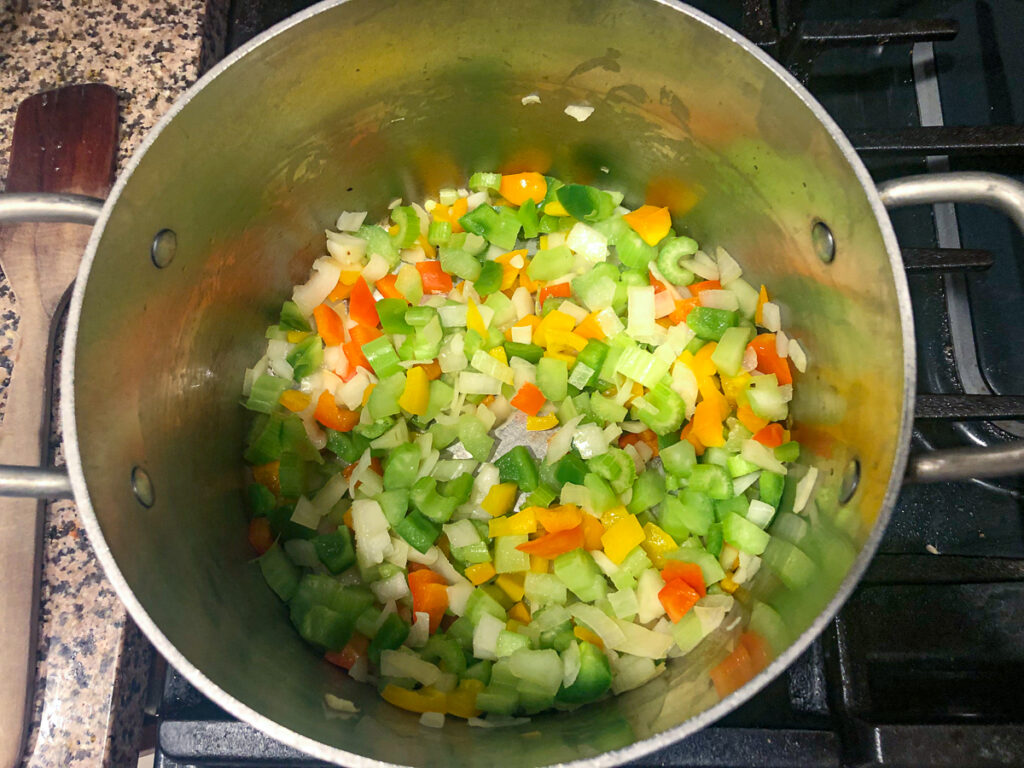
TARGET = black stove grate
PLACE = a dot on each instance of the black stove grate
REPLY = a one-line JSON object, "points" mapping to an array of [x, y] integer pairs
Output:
{"points": [[924, 664]]}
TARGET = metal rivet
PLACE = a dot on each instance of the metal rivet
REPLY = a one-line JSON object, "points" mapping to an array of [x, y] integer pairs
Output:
{"points": [[824, 242], [851, 479], [142, 487], [165, 244]]}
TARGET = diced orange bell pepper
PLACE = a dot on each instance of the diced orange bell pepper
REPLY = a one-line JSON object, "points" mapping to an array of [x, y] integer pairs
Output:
{"points": [[331, 415], [768, 360], [650, 222], [329, 325], [361, 305], [704, 285], [520, 187], [386, 286], [588, 636], [529, 399], [688, 572], [561, 518], [551, 545], [707, 424], [710, 392], [734, 671], [429, 595], [558, 290], [340, 291], [647, 437], [589, 328], [593, 530], [678, 597], [267, 476], [762, 299], [687, 434], [351, 653], [771, 436], [749, 419], [260, 536], [364, 334], [434, 279]]}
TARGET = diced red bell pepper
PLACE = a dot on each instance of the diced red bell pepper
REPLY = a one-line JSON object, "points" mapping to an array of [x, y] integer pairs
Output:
{"points": [[434, 279], [678, 597], [529, 399], [351, 653], [429, 595], [768, 360], [386, 286], [331, 415], [362, 307], [688, 572], [771, 436], [552, 545], [559, 290], [329, 325]]}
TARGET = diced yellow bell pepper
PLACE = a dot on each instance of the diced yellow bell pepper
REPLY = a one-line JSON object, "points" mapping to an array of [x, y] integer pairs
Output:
{"points": [[567, 359], [520, 613], [591, 637], [294, 337], [349, 277], [498, 353], [555, 208], [424, 700], [657, 543], [512, 625], [762, 299], [500, 499], [294, 400], [540, 423], [462, 701], [267, 475], [474, 320], [514, 525], [368, 391], [555, 320], [512, 585], [621, 537], [416, 394], [428, 249], [734, 386], [478, 573], [539, 564], [711, 393], [728, 585], [611, 516], [650, 222], [565, 341], [700, 363]]}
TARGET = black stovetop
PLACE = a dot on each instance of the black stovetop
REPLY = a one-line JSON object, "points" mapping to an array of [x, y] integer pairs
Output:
{"points": [[925, 664]]}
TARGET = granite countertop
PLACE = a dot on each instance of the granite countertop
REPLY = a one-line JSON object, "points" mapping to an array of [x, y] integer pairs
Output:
{"points": [[92, 662]]}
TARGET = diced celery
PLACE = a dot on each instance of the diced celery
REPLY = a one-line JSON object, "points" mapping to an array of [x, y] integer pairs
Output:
{"points": [[508, 559], [578, 571], [552, 378], [510, 642], [744, 535], [481, 602], [689, 512], [708, 562], [728, 355], [679, 459], [544, 589], [712, 480], [648, 490], [602, 497]]}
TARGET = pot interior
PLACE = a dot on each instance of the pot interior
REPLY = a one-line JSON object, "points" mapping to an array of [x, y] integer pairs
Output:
{"points": [[364, 101]]}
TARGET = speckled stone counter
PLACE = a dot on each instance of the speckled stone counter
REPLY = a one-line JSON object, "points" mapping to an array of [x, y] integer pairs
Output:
{"points": [[92, 662]]}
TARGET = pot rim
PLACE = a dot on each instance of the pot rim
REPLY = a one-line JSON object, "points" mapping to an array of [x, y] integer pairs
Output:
{"points": [[639, 749]]}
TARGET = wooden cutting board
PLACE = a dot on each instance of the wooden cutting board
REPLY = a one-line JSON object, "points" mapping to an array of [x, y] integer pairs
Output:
{"points": [[64, 141]]}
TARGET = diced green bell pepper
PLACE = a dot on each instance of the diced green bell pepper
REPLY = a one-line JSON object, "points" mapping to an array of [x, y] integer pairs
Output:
{"points": [[518, 466]]}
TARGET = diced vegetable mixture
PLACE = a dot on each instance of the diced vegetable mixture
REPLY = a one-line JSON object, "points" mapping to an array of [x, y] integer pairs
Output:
{"points": [[464, 580]]}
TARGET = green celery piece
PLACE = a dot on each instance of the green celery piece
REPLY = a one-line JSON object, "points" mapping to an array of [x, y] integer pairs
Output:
{"points": [[716, 455], [532, 353], [461, 631], [384, 398], [662, 409], [335, 549], [689, 512], [479, 603], [292, 318], [593, 680], [408, 223], [291, 474], [381, 356], [793, 567], [439, 233], [542, 496], [770, 485], [458, 262], [518, 466], [710, 324], [374, 429], [419, 317], [616, 467], [264, 440], [606, 409], [738, 466], [510, 642], [744, 535], [714, 540], [260, 499], [765, 621], [712, 480], [282, 526], [265, 392], [648, 491], [635, 277], [401, 466], [491, 274], [418, 532], [440, 397], [672, 251], [378, 241], [508, 559], [679, 459], [578, 571], [446, 652], [551, 263], [394, 503], [322, 627], [602, 496], [295, 440], [585, 203], [366, 624], [497, 700], [709, 565], [553, 378], [474, 437], [728, 355], [482, 180], [473, 553], [633, 251], [459, 488], [443, 434], [392, 316], [500, 227], [281, 574], [544, 589], [430, 503], [788, 452]]}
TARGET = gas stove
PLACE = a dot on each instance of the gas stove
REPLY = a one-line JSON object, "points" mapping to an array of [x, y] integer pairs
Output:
{"points": [[924, 664]]}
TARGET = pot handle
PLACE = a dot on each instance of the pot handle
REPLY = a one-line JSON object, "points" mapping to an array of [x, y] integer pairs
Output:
{"points": [[1003, 194], [19, 208]]}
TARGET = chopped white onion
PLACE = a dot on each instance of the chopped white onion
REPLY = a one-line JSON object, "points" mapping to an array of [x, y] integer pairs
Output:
{"points": [[461, 534], [471, 383], [728, 269], [485, 637], [330, 494], [306, 513], [749, 566], [432, 719], [579, 112], [749, 359], [423, 558], [492, 367], [370, 526], [761, 455], [394, 587], [781, 344], [311, 294], [804, 489], [277, 350], [348, 250], [577, 313], [406, 664], [521, 334], [575, 494], [700, 268], [711, 611], [609, 322], [649, 584], [570, 664], [350, 221], [771, 317], [741, 483], [339, 704], [419, 632], [590, 441], [458, 596], [760, 513], [598, 622], [375, 268], [399, 554], [587, 242], [641, 641], [719, 299], [476, 200], [664, 305], [561, 442], [797, 355]]}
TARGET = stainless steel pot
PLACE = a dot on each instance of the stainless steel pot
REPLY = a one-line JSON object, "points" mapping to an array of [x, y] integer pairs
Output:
{"points": [[352, 103]]}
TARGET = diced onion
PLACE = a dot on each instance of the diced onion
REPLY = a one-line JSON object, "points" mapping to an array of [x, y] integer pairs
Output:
{"points": [[446, 569], [722, 299], [771, 317], [419, 632], [432, 719], [641, 641], [711, 611], [461, 533], [575, 312], [664, 305], [640, 310], [522, 301], [306, 513], [611, 432], [633, 671], [339, 704], [423, 558], [749, 359], [405, 664], [350, 221], [598, 622], [575, 494], [781, 344], [587, 242], [804, 489], [485, 637], [394, 587], [521, 334], [452, 315], [700, 268], [762, 456], [649, 584], [375, 268], [561, 441], [470, 383], [609, 322], [371, 528], [760, 513], [476, 200], [797, 355], [570, 664], [590, 441], [741, 483], [399, 554], [728, 269], [458, 596], [330, 494], [492, 367], [277, 350], [749, 566], [579, 112], [311, 294], [348, 250]]}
